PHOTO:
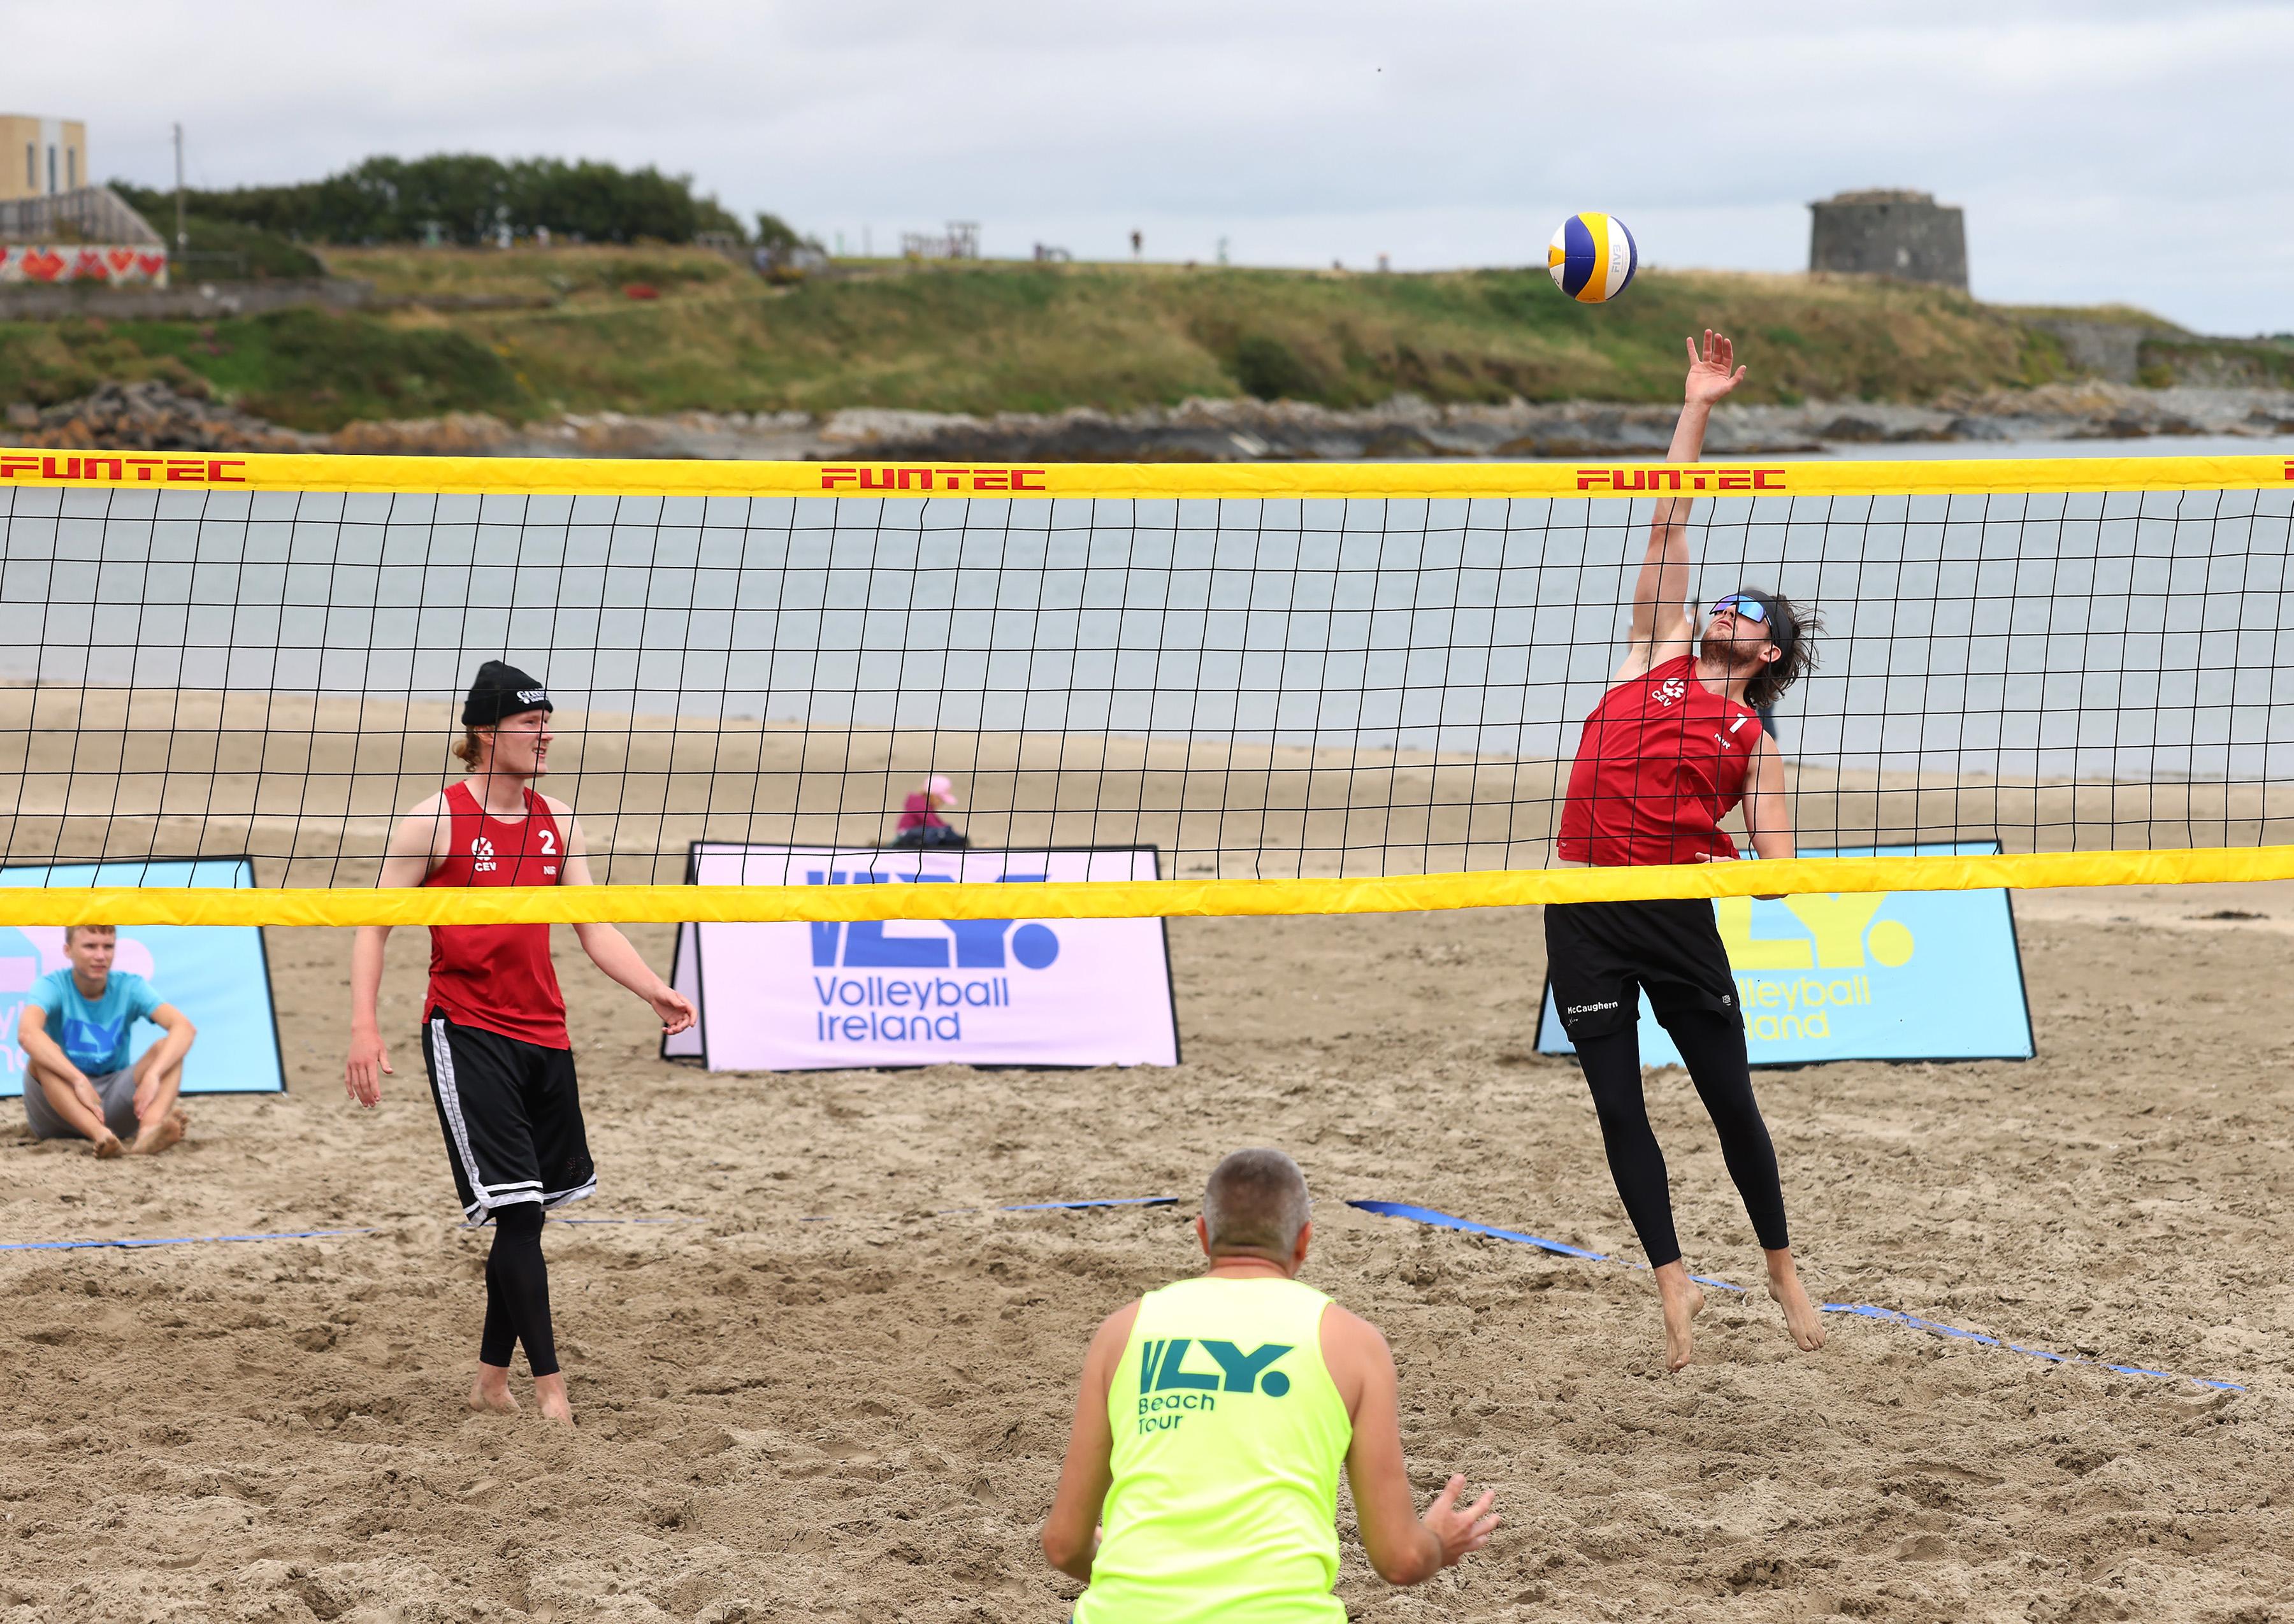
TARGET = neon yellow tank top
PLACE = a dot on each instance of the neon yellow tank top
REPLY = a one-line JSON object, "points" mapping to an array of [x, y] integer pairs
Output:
{"points": [[1229, 1436]]}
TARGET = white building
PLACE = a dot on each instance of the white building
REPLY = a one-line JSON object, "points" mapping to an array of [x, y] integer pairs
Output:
{"points": [[40, 157]]}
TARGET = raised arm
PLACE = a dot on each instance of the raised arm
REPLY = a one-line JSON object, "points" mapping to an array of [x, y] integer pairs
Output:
{"points": [[608, 949], [1403, 1547], [1071, 1532], [1662, 627], [415, 847], [1768, 808]]}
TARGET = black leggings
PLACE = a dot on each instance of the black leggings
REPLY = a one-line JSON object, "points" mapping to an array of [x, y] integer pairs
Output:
{"points": [[1713, 1047], [517, 1292]]}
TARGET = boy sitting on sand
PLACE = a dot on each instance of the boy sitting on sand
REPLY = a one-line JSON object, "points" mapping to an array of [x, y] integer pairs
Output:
{"points": [[73, 1031]]}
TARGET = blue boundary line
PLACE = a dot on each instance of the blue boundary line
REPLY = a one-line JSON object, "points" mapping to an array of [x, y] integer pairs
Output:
{"points": [[200, 1240], [196, 1240], [172, 1240], [1435, 1219], [1065, 1206]]}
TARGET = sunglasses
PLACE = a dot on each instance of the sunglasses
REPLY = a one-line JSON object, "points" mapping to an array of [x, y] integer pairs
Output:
{"points": [[1748, 608]]}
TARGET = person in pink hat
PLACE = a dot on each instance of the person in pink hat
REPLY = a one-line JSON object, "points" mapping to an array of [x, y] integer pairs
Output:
{"points": [[921, 822]]}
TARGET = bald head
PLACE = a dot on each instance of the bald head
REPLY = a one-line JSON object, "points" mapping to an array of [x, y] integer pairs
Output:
{"points": [[1256, 1202]]}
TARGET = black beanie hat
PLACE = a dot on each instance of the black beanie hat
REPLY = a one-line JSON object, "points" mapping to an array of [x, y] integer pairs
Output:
{"points": [[503, 690]]}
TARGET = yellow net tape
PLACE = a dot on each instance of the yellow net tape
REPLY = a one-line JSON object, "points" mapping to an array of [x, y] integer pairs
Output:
{"points": [[1126, 899], [570, 476]]}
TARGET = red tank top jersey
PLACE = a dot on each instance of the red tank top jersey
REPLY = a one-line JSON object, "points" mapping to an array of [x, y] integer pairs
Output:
{"points": [[498, 978], [1662, 762]]}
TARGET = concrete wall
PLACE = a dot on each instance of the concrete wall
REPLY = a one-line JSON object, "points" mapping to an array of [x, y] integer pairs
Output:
{"points": [[1904, 235], [195, 301]]}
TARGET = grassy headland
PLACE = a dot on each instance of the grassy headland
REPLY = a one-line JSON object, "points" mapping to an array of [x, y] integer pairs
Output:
{"points": [[706, 335]]}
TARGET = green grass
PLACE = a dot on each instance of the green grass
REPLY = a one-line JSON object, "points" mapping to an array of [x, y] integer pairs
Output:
{"points": [[222, 250], [577, 274], [304, 368], [1004, 337], [1023, 337]]}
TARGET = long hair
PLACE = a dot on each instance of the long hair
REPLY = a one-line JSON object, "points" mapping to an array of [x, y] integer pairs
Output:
{"points": [[1793, 630], [468, 748]]}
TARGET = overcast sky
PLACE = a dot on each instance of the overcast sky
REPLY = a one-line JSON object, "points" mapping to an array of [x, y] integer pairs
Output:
{"points": [[2105, 149]]}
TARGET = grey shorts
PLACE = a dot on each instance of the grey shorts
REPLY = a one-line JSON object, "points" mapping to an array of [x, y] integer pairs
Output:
{"points": [[116, 1089]]}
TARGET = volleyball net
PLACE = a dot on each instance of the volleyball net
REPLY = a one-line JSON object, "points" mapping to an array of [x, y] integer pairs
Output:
{"points": [[1310, 687]]}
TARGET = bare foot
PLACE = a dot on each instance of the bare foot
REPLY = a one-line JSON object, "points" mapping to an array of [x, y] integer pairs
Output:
{"points": [[490, 1393], [108, 1146], [1684, 1300], [549, 1393], [157, 1136], [1801, 1317]]}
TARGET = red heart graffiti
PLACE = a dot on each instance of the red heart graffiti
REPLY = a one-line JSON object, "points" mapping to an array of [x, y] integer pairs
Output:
{"points": [[44, 264], [120, 258], [90, 265], [151, 265]]}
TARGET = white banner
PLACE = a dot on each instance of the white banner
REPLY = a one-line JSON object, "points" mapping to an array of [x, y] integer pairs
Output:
{"points": [[788, 996]]}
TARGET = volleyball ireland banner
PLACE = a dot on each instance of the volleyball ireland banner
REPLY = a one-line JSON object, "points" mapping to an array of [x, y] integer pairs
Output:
{"points": [[1870, 976], [826, 996]]}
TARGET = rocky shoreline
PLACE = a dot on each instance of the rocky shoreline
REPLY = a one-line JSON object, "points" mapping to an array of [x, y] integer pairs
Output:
{"points": [[150, 417]]}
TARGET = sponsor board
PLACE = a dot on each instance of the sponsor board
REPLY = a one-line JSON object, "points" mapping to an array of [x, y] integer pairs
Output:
{"points": [[792, 996], [1863, 976], [217, 975]]}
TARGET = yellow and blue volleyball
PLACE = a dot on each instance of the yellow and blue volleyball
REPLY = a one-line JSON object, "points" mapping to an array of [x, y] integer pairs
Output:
{"points": [[1593, 257]]}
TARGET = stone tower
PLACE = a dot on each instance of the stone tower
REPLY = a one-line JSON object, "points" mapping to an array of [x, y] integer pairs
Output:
{"points": [[1906, 235]]}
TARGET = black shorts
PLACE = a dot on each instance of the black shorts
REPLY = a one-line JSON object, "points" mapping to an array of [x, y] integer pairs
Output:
{"points": [[1601, 956], [512, 1117]]}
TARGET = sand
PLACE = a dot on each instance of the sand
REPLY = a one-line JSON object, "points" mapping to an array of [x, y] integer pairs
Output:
{"points": [[861, 1418]]}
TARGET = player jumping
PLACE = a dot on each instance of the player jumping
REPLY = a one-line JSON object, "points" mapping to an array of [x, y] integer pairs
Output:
{"points": [[493, 1035], [1673, 746]]}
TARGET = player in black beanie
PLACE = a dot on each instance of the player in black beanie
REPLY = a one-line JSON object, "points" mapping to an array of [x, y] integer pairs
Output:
{"points": [[494, 1035]]}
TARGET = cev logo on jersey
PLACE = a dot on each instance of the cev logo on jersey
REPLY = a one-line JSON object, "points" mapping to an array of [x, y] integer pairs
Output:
{"points": [[1168, 1390], [1672, 691], [481, 856]]}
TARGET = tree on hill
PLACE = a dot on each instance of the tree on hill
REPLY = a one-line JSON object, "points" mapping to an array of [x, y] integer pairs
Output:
{"points": [[466, 197]]}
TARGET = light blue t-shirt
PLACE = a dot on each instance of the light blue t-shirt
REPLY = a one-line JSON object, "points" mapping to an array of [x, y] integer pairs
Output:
{"points": [[94, 1032]]}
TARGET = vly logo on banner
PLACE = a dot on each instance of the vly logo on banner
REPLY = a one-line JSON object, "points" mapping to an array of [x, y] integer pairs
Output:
{"points": [[1870, 976], [794, 996], [215, 974]]}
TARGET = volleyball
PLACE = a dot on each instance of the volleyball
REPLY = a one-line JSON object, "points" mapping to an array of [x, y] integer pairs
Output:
{"points": [[1593, 257]]}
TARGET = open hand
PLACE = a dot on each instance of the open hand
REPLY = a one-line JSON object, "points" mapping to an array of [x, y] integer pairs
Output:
{"points": [[1709, 377], [363, 1072], [1461, 1531]]}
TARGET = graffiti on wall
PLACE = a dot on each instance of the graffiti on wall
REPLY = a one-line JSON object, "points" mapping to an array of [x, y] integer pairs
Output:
{"points": [[78, 262]]}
